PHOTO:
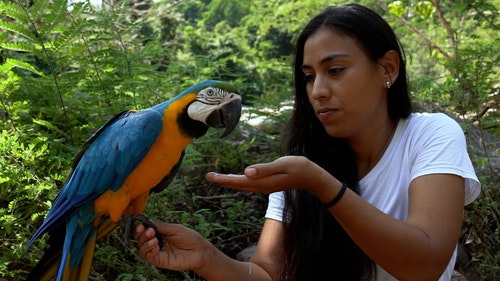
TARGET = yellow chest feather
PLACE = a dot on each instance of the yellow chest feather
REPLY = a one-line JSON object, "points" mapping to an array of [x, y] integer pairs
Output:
{"points": [[158, 162]]}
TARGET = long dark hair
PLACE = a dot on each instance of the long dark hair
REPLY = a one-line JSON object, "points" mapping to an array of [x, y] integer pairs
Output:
{"points": [[316, 245]]}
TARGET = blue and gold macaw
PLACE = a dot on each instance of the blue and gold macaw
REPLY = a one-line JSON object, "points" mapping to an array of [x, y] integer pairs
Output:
{"points": [[133, 154]]}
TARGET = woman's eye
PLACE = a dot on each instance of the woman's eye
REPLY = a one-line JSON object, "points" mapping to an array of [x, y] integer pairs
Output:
{"points": [[335, 70], [308, 77]]}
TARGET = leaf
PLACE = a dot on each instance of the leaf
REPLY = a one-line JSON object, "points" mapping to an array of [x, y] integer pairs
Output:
{"points": [[18, 29], [55, 17], [11, 63], [396, 8], [424, 9], [48, 125], [20, 47], [12, 10]]}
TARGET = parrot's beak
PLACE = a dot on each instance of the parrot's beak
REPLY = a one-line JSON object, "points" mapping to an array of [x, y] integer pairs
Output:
{"points": [[227, 116]]}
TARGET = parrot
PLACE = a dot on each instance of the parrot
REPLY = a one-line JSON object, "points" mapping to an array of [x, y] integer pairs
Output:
{"points": [[135, 153]]}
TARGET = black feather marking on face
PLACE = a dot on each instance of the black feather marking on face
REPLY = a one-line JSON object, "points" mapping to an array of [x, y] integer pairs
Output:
{"points": [[212, 96], [190, 127]]}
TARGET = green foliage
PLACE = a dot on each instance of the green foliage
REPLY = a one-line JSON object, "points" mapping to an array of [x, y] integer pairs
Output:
{"points": [[28, 175], [481, 236], [461, 73]]}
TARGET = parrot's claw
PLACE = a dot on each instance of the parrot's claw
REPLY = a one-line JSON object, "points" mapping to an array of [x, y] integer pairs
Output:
{"points": [[130, 223]]}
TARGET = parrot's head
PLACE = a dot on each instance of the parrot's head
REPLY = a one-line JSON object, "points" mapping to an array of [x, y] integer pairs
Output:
{"points": [[217, 105]]}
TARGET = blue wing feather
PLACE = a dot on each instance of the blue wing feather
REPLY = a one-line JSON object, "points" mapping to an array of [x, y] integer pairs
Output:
{"points": [[109, 156]]}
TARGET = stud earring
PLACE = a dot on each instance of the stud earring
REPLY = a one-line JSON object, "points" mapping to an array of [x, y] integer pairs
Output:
{"points": [[388, 83]]}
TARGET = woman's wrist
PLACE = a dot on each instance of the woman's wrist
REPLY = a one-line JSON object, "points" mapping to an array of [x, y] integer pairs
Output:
{"points": [[208, 254], [337, 197], [216, 265], [326, 187]]}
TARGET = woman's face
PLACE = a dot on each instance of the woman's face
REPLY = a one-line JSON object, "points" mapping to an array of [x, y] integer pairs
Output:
{"points": [[345, 88]]}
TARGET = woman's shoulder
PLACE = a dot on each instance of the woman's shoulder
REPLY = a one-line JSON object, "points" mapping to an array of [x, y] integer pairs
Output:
{"points": [[432, 123], [426, 118], [422, 131]]}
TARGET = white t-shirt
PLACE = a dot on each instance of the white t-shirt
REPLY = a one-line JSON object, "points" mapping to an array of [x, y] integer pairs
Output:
{"points": [[423, 144]]}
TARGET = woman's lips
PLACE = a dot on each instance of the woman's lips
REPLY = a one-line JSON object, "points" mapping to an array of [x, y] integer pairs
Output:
{"points": [[325, 114]]}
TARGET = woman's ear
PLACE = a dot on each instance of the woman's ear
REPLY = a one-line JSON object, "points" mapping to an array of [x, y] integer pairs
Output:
{"points": [[390, 64]]}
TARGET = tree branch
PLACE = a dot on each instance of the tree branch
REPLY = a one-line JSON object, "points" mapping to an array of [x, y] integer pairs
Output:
{"points": [[414, 29], [447, 27]]}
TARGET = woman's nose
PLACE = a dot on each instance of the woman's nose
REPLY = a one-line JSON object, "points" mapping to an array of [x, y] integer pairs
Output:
{"points": [[319, 89]]}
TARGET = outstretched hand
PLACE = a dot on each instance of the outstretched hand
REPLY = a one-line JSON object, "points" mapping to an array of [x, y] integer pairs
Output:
{"points": [[288, 172]]}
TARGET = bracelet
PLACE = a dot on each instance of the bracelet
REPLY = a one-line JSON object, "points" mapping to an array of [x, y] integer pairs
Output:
{"points": [[337, 197]]}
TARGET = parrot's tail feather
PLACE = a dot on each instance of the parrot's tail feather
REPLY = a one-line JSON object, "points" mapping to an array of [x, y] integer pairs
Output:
{"points": [[81, 272], [45, 270], [66, 273], [49, 225], [48, 265], [105, 227]]}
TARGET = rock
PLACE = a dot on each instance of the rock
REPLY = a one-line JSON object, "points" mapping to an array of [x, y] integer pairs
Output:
{"points": [[457, 276], [246, 253]]}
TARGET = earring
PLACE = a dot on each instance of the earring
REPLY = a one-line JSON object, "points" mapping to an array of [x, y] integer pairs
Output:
{"points": [[388, 83]]}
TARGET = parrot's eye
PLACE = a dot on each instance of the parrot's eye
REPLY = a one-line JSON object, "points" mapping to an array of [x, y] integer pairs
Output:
{"points": [[210, 92]]}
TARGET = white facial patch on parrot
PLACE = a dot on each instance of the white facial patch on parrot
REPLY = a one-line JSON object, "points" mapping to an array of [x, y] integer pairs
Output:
{"points": [[209, 100]]}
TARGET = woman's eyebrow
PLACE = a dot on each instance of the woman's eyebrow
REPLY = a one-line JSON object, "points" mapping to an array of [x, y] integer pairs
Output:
{"points": [[326, 59]]}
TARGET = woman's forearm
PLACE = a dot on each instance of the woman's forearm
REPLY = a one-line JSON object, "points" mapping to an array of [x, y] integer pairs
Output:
{"points": [[220, 267], [418, 248]]}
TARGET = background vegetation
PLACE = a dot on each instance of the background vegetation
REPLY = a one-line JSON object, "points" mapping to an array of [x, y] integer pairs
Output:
{"points": [[65, 68]]}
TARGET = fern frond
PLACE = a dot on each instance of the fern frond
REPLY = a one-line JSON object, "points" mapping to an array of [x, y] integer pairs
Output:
{"points": [[20, 47], [11, 63], [13, 11], [71, 33], [54, 19], [18, 29], [38, 8], [77, 7]]}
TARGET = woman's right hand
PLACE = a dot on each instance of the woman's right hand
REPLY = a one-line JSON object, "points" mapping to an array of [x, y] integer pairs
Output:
{"points": [[185, 249], [284, 173]]}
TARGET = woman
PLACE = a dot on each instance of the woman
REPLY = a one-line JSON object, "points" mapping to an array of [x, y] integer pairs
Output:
{"points": [[367, 191]]}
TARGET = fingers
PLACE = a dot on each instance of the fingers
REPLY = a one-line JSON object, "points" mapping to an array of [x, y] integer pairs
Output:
{"points": [[145, 236], [266, 169], [251, 172], [139, 229], [281, 165], [148, 243], [255, 171], [148, 234], [281, 174], [235, 181]]}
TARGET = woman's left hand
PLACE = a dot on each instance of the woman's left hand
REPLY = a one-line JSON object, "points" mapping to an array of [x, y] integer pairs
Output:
{"points": [[288, 172]]}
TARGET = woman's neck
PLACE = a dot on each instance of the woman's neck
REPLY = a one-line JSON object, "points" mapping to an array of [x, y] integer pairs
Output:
{"points": [[371, 148]]}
